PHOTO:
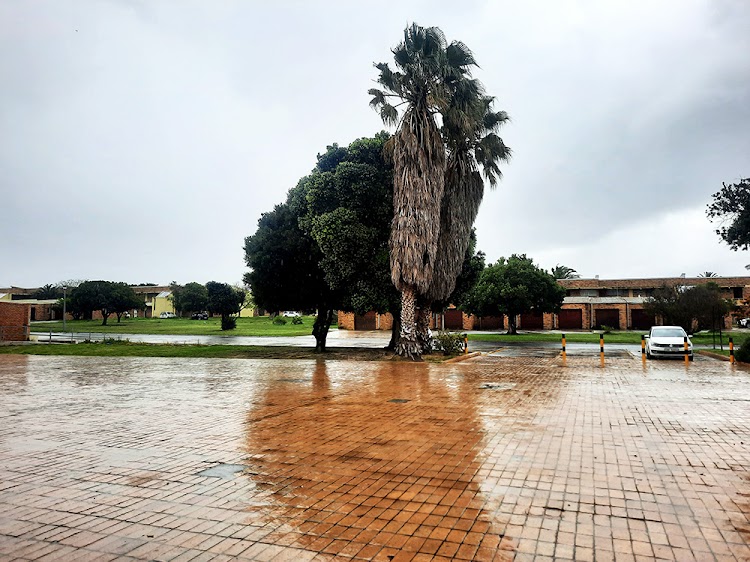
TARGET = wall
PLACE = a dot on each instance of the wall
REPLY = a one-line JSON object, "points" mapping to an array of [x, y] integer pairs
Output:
{"points": [[14, 321]]}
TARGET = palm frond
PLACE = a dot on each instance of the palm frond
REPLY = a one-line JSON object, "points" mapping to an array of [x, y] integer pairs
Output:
{"points": [[388, 114], [460, 56], [378, 97]]}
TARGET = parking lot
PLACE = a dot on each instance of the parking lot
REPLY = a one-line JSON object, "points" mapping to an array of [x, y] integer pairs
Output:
{"points": [[508, 456]]}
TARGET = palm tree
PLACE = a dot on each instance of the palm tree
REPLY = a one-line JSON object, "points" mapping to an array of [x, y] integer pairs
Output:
{"points": [[419, 84], [564, 272], [707, 274], [473, 143]]}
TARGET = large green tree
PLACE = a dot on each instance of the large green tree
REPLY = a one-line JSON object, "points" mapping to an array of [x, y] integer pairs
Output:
{"points": [[284, 264], [514, 286], [432, 77], [731, 207], [349, 212]]}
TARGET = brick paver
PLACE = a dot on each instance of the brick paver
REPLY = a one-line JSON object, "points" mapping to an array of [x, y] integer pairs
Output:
{"points": [[499, 458]]}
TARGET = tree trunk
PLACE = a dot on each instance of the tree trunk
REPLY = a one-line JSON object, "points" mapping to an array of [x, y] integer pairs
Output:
{"points": [[408, 344], [395, 332], [512, 325], [423, 328], [119, 316], [105, 315], [321, 327]]}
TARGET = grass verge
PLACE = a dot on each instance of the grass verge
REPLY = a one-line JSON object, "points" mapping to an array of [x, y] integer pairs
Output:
{"points": [[128, 349], [701, 338]]}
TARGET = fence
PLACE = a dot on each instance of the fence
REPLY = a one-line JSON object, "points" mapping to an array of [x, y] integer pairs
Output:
{"points": [[14, 333]]}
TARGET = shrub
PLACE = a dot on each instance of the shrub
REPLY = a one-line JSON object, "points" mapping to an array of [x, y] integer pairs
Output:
{"points": [[450, 343], [228, 323], [296, 320], [743, 353], [606, 329], [279, 320]]}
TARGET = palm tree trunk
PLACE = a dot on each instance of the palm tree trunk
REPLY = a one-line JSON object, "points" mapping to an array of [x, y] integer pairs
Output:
{"points": [[408, 344], [423, 327]]}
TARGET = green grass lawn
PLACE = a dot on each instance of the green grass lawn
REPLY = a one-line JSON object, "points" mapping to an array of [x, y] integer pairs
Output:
{"points": [[257, 326]]}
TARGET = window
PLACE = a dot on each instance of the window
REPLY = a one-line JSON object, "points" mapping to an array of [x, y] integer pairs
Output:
{"points": [[737, 292]]}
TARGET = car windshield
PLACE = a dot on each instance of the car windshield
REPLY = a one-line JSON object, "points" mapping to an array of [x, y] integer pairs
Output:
{"points": [[667, 333]]}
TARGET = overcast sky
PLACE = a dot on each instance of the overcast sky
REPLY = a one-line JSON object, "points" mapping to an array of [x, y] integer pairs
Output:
{"points": [[141, 140]]}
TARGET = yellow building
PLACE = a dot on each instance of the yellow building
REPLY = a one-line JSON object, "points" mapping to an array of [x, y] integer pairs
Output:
{"points": [[162, 302]]}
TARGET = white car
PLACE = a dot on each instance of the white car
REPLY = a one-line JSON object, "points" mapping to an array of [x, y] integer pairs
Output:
{"points": [[167, 315], [667, 341], [291, 313]]}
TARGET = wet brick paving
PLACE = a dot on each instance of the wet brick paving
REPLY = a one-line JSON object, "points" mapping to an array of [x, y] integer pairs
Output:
{"points": [[496, 458]]}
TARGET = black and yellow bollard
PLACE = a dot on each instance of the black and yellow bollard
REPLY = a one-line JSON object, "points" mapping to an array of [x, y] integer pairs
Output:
{"points": [[563, 344], [601, 348], [466, 345], [643, 349], [685, 343], [731, 350]]}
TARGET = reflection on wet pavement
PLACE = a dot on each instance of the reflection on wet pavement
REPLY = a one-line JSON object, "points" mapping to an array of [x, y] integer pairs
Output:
{"points": [[501, 457]]}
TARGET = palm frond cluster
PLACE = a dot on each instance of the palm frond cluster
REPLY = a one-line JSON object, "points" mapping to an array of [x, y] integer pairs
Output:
{"points": [[446, 139]]}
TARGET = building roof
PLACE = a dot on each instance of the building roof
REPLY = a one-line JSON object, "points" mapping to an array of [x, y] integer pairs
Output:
{"points": [[652, 283]]}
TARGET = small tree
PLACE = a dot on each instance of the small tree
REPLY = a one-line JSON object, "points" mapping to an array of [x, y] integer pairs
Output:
{"points": [[122, 298], [225, 300], [514, 286]]}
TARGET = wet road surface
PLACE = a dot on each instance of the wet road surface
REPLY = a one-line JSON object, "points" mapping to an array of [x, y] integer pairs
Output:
{"points": [[503, 457]]}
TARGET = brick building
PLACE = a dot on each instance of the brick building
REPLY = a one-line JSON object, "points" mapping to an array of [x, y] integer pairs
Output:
{"points": [[14, 321], [589, 304]]}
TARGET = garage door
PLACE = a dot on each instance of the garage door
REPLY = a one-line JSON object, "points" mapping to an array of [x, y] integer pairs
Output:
{"points": [[532, 321], [570, 319], [454, 319], [367, 321], [490, 323], [607, 317], [641, 320]]}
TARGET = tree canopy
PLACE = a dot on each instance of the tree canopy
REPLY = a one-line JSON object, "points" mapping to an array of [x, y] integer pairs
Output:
{"points": [[731, 207], [514, 286]]}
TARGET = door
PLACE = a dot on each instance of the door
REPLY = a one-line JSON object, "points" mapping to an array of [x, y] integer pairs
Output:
{"points": [[607, 317], [570, 319], [640, 319], [367, 321], [454, 319], [532, 321], [491, 323]]}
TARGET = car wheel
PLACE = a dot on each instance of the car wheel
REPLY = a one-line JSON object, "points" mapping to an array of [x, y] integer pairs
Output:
{"points": [[691, 358], [648, 355]]}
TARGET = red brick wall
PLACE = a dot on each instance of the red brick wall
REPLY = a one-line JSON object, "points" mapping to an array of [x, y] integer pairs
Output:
{"points": [[14, 321]]}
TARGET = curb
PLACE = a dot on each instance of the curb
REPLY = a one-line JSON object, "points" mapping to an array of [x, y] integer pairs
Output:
{"points": [[712, 354], [460, 358]]}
